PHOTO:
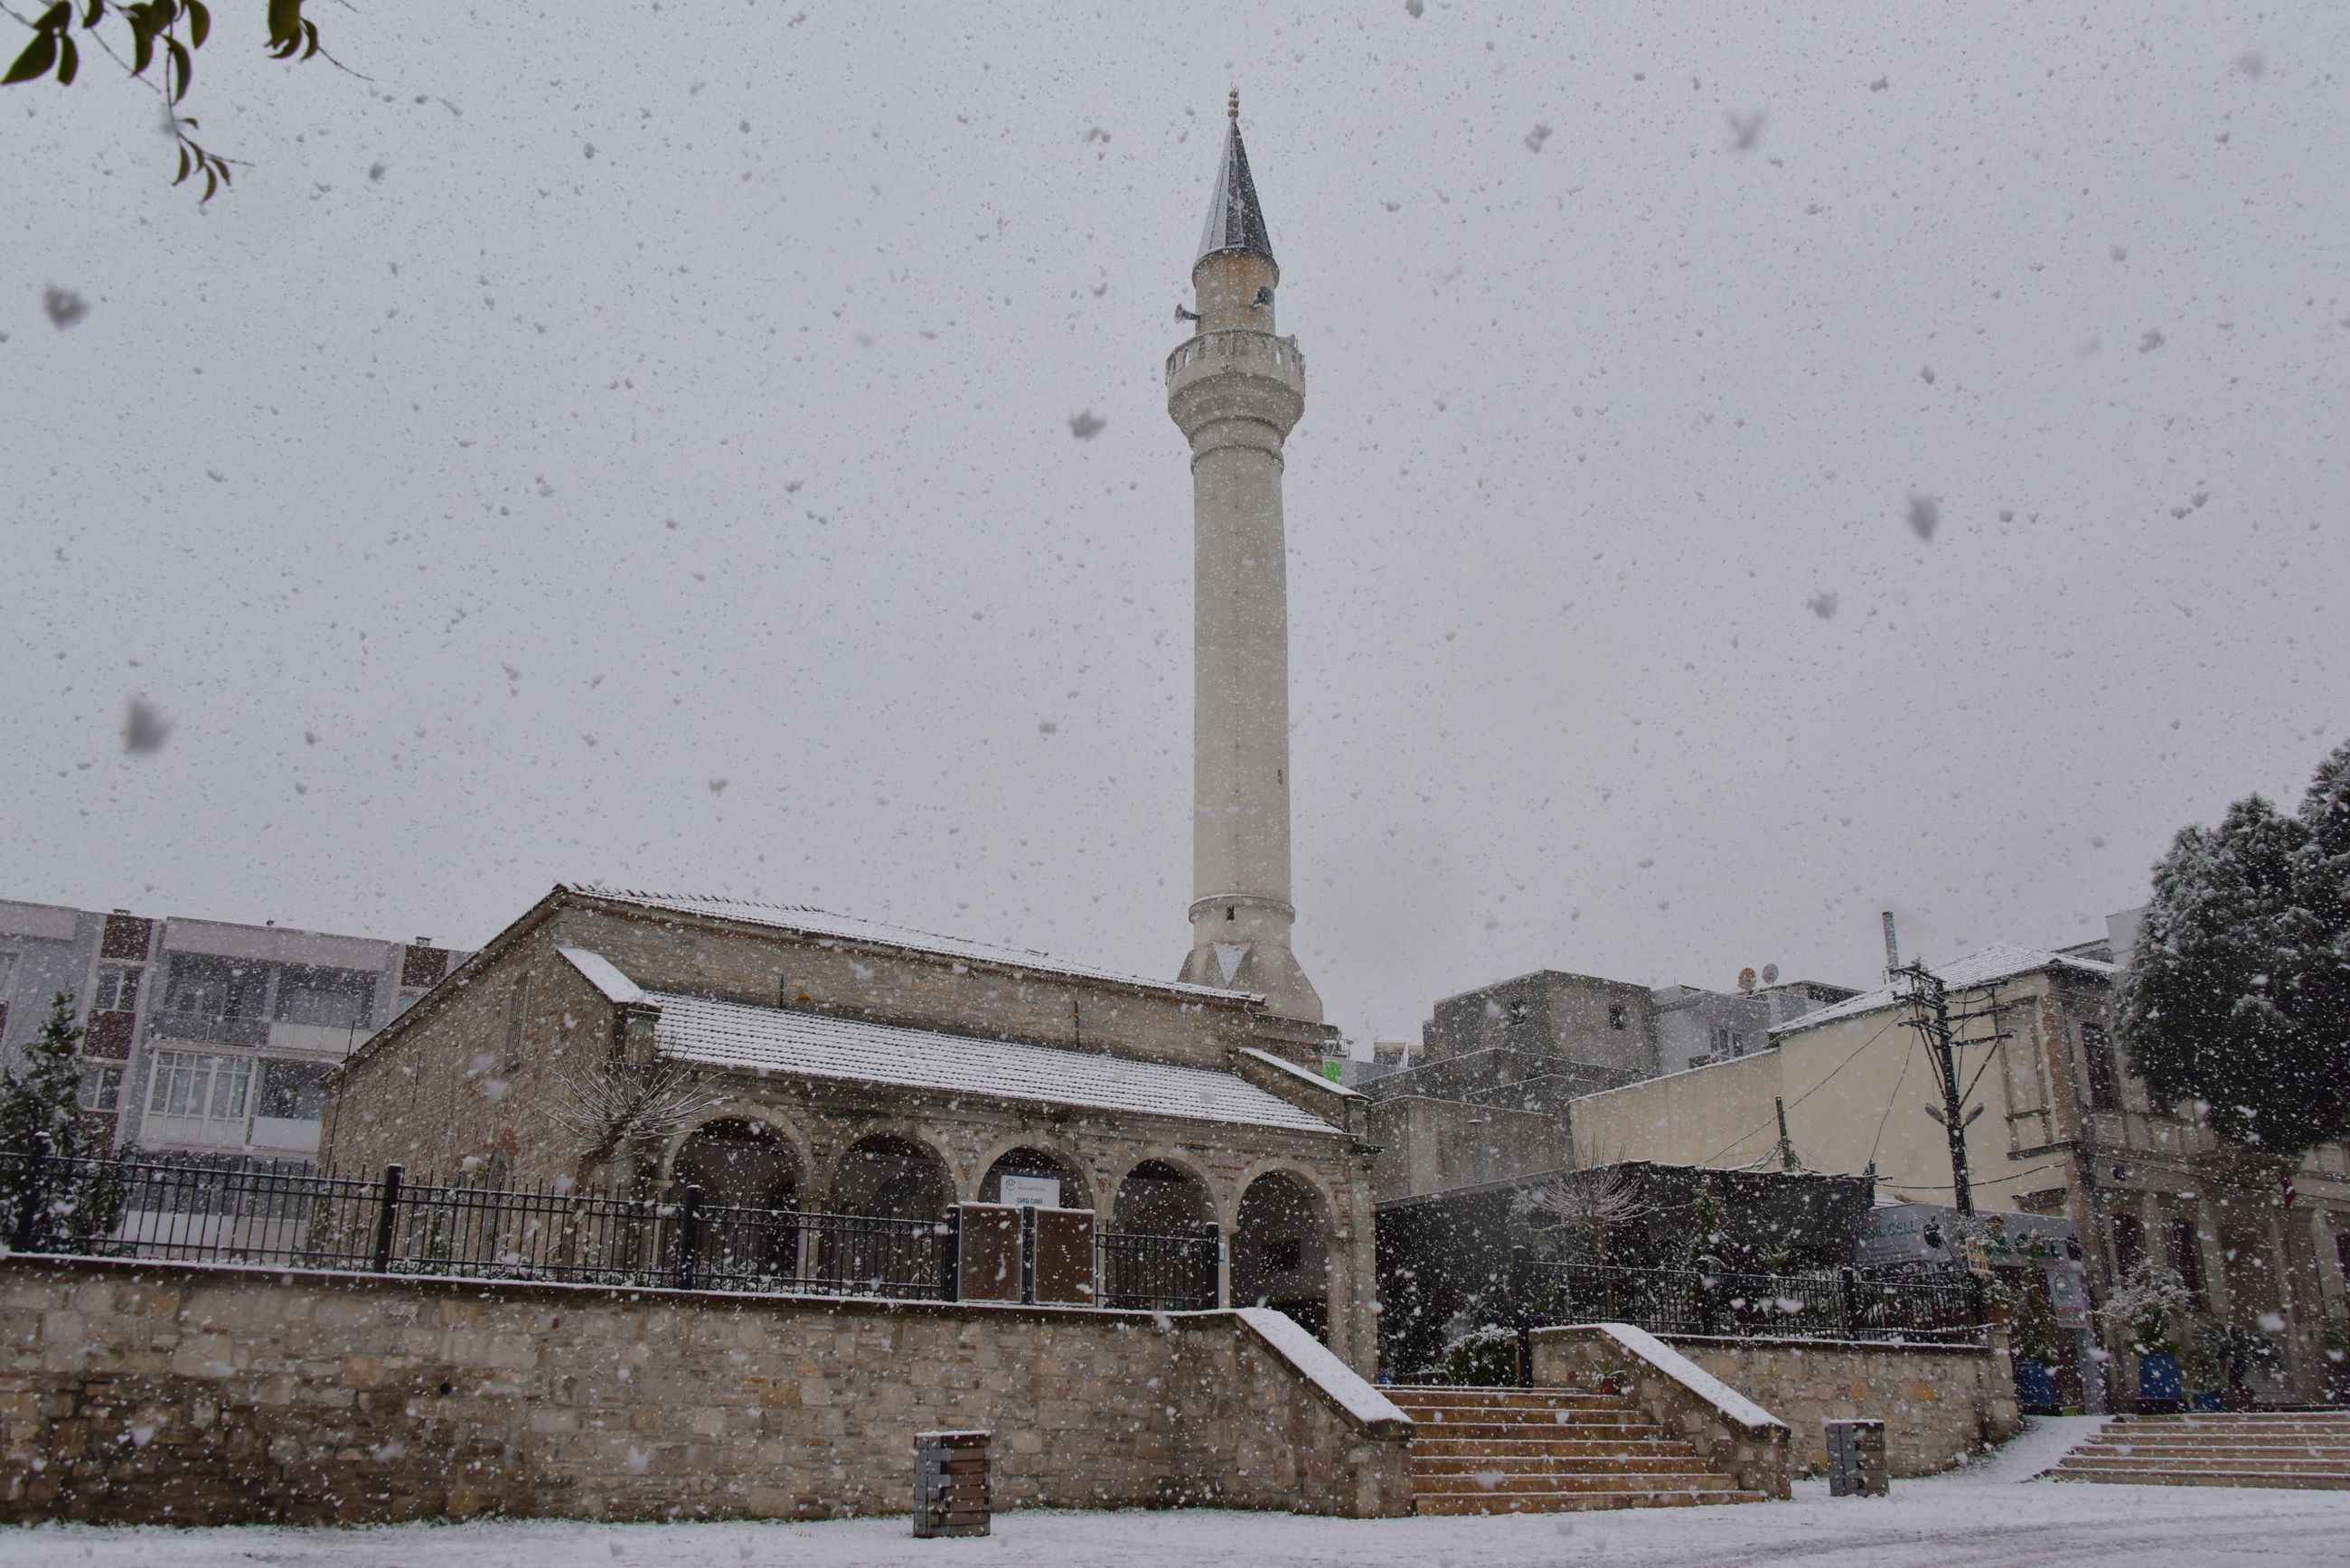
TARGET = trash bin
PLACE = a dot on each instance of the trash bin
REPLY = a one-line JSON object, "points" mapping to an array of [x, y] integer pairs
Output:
{"points": [[1857, 1465], [950, 1484]]}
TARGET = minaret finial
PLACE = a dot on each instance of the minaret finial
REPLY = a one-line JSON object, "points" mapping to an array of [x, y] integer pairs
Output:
{"points": [[1234, 108]]}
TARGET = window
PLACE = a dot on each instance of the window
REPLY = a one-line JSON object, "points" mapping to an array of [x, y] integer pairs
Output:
{"points": [[203, 987], [1737, 1043], [2097, 1057], [1619, 1016], [517, 1012], [295, 1091], [118, 988], [101, 1088], [2129, 1244], [333, 998], [212, 1088], [2187, 1256], [1518, 1011]]}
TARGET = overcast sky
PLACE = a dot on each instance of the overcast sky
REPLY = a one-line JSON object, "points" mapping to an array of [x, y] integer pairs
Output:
{"points": [[634, 443]]}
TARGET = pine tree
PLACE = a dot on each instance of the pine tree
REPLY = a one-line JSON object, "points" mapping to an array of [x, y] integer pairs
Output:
{"points": [[43, 1094], [2238, 995]]}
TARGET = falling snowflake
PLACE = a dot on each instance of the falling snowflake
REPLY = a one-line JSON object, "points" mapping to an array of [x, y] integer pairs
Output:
{"points": [[1536, 137], [144, 729], [1822, 604], [64, 305], [1085, 426], [1924, 515]]}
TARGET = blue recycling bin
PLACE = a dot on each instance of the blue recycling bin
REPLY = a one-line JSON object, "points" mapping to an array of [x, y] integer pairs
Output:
{"points": [[2035, 1386], [2159, 1379]]}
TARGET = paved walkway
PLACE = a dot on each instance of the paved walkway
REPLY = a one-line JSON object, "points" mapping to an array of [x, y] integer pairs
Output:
{"points": [[1950, 1523]]}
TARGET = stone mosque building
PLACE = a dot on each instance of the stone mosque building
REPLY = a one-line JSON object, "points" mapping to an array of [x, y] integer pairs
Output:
{"points": [[784, 1059]]}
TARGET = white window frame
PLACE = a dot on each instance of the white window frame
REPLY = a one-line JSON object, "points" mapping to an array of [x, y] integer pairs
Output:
{"points": [[198, 1085], [101, 1086], [113, 974]]}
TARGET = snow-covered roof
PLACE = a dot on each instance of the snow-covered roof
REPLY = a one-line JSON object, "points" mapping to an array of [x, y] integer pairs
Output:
{"points": [[847, 928], [2001, 960], [821, 1045], [599, 972]]}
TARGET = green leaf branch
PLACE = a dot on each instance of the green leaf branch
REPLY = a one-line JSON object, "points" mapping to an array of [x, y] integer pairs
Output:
{"points": [[178, 28]]}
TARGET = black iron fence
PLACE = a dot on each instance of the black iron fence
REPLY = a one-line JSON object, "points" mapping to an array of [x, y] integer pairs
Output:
{"points": [[1157, 1273], [215, 1213], [1842, 1304]]}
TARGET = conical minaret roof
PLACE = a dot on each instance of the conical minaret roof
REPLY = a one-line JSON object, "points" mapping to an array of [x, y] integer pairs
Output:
{"points": [[1235, 222]]}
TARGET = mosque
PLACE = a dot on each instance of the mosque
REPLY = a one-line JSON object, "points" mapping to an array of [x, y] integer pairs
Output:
{"points": [[860, 1076]]}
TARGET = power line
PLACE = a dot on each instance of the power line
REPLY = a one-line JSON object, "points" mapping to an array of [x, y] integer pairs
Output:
{"points": [[1807, 1094]]}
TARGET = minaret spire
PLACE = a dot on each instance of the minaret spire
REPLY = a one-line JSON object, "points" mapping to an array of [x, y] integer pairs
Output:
{"points": [[1235, 222], [1236, 390]]}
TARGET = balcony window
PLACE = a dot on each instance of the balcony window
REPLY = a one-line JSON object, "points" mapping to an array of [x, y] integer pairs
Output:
{"points": [[200, 1088], [203, 987], [295, 1091], [333, 998]]}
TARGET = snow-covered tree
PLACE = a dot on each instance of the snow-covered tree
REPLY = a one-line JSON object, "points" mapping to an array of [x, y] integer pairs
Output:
{"points": [[40, 1097], [42, 1094], [2239, 997]]}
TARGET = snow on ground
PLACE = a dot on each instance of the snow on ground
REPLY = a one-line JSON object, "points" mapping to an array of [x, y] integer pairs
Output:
{"points": [[1948, 1523]]}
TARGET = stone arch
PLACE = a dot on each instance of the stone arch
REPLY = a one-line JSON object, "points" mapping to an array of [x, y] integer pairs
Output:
{"points": [[1161, 1250], [892, 1175], [1282, 1249], [739, 1161], [886, 1232], [767, 1123], [1035, 1157], [749, 1176], [1161, 1195]]}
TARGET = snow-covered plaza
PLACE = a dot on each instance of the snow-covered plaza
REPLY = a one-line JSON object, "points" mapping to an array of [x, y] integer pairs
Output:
{"points": [[1948, 1523]]}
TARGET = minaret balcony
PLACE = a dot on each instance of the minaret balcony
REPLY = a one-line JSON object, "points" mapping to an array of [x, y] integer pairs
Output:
{"points": [[1236, 374]]}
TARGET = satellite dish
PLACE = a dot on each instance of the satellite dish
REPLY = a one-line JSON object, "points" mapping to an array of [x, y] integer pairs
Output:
{"points": [[1770, 974], [1746, 980]]}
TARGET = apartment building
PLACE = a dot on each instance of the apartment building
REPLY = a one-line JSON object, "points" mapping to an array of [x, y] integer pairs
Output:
{"points": [[204, 1036]]}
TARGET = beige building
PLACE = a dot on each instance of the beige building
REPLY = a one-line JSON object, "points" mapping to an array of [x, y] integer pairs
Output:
{"points": [[788, 1060], [2066, 1130]]}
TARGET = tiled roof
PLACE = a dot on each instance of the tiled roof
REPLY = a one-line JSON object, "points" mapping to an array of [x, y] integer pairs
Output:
{"points": [[847, 928], [2001, 960], [819, 1045]]}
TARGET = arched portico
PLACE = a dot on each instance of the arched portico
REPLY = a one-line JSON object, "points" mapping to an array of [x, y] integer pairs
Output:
{"points": [[886, 1228], [1281, 1251]]}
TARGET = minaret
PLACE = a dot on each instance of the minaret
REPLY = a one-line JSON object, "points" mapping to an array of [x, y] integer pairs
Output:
{"points": [[1235, 391]]}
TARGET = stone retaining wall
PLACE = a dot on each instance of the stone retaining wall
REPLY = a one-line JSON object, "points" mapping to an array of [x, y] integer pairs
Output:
{"points": [[1940, 1403], [154, 1393]]}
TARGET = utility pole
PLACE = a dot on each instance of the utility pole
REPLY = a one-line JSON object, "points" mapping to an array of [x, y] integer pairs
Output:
{"points": [[1931, 1015]]}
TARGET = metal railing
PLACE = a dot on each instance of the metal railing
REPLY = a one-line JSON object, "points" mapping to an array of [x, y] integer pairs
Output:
{"points": [[1842, 1304], [243, 1032], [1156, 1274], [222, 1212]]}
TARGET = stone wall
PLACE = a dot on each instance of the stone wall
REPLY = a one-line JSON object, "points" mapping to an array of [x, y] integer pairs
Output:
{"points": [[1734, 1436], [1940, 1404], [152, 1392]]}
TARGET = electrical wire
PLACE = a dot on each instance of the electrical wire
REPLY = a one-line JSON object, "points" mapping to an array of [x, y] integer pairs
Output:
{"points": [[1807, 1094]]}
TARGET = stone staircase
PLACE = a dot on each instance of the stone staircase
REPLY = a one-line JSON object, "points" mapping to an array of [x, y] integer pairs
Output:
{"points": [[2280, 1448], [1548, 1451]]}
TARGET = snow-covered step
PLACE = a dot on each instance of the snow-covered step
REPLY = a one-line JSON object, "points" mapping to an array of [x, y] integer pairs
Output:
{"points": [[2298, 1450], [1526, 1450]]}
